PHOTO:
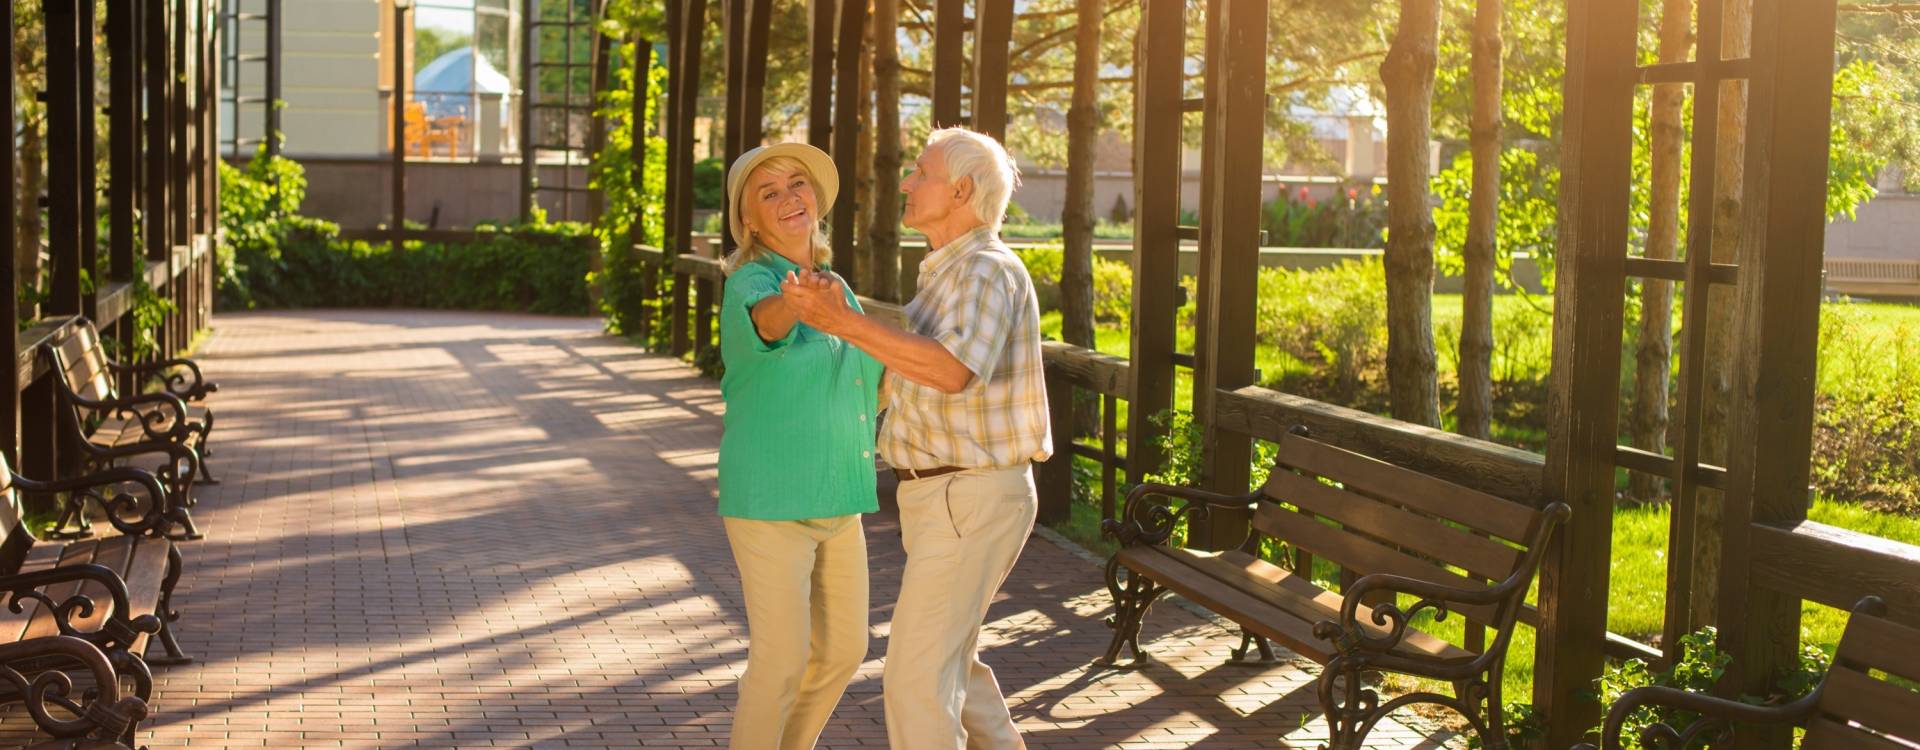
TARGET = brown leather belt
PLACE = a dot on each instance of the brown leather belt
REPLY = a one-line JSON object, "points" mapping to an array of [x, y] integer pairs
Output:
{"points": [[910, 474]]}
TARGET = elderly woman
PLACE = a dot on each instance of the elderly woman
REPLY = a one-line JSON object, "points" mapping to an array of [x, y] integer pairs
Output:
{"points": [[796, 459]]}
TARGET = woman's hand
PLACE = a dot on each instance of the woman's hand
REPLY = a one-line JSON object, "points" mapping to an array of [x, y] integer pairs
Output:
{"points": [[818, 299]]}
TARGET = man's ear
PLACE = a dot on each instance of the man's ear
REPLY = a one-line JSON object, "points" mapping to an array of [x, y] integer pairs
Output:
{"points": [[963, 189]]}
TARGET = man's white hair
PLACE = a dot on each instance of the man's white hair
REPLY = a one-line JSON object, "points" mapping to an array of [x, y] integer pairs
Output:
{"points": [[971, 154]]}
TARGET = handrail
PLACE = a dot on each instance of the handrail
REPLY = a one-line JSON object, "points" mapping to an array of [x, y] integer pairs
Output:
{"points": [[1489, 467], [1836, 567]]}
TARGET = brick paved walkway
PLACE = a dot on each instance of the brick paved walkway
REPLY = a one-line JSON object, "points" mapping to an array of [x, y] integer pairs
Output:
{"points": [[478, 530]]}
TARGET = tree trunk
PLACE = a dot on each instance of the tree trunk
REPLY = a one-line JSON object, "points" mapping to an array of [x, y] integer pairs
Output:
{"points": [[1483, 211], [885, 237], [1654, 354], [1076, 219], [1408, 75], [1729, 171]]}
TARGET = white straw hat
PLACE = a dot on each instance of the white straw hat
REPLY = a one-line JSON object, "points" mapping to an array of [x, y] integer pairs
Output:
{"points": [[826, 179]]}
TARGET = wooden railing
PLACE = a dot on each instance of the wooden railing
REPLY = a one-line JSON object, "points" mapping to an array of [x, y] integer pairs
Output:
{"points": [[1810, 561]]}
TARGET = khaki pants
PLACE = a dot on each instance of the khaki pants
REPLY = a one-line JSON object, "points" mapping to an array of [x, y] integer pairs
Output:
{"points": [[963, 532], [806, 589]]}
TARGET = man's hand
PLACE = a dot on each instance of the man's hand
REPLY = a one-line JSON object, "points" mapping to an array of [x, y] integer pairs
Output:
{"points": [[817, 298]]}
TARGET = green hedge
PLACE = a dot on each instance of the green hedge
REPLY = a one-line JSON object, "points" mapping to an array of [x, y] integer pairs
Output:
{"points": [[275, 258]]}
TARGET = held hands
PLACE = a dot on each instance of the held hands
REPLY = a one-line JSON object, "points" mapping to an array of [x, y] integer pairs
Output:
{"points": [[817, 298]]}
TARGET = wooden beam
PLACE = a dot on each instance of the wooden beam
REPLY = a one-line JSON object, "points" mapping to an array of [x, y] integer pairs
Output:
{"points": [[1836, 567], [949, 41], [1776, 328], [1237, 125], [86, 178], [992, 41], [820, 72], [9, 280], [1583, 419], [1492, 468], [686, 53], [851, 28], [753, 84], [1104, 374], [158, 77], [64, 112], [1158, 56]]}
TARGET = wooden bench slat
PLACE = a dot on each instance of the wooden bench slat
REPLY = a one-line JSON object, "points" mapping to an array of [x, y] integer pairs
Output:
{"points": [[1827, 734], [144, 573], [1882, 706], [111, 553], [41, 557], [1478, 510], [86, 370], [1873, 642], [1362, 555], [1251, 612], [1306, 599], [43, 624], [1478, 555]]}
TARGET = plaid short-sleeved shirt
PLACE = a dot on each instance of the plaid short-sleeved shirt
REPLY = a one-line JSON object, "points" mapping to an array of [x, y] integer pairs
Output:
{"points": [[977, 300]]}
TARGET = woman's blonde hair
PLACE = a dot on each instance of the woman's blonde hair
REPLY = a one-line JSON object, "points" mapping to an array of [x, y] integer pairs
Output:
{"points": [[752, 250]]}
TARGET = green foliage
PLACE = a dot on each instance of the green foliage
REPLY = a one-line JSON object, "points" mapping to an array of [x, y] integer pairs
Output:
{"points": [[1356, 219], [624, 298], [1866, 131], [1867, 428], [709, 183], [1698, 670], [1112, 283], [1334, 318], [429, 43], [1529, 207], [272, 257]]}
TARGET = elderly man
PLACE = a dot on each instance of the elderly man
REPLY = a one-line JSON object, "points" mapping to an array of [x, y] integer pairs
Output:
{"points": [[966, 418]]}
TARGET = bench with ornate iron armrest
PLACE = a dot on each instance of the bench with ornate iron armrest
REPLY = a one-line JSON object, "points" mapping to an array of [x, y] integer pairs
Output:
{"points": [[101, 719], [114, 592], [105, 427], [1851, 708], [1455, 550]]}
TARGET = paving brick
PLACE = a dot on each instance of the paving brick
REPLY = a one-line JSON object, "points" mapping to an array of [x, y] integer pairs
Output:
{"points": [[489, 530]]}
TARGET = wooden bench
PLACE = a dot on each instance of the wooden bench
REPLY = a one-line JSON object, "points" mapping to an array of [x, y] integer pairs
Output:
{"points": [[1855, 707], [105, 427], [1456, 550], [112, 593]]}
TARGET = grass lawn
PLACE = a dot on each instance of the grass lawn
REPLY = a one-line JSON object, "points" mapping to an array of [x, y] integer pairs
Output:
{"points": [[1638, 563]]}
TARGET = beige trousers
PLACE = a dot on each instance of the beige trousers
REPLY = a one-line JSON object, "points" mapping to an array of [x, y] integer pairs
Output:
{"points": [[806, 590], [963, 532]]}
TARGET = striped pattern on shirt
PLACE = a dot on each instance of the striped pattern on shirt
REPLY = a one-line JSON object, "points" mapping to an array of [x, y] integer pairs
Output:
{"points": [[977, 300]]}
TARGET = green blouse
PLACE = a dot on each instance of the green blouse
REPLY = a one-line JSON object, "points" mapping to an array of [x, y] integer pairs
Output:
{"points": [[800, 414]]}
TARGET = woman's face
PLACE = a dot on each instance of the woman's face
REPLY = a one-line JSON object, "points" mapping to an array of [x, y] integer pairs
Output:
{"points": [[782, 211]]}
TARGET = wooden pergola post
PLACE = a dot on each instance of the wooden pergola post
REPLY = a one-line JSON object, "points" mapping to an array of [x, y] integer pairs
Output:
{"points": [[1585, 388], [9, 281], [123, 157], [684, 79], [845, 133], [1158, 61], [949, 42], [820, 74], [992, 40], [1237, 122], [1776, 331]]}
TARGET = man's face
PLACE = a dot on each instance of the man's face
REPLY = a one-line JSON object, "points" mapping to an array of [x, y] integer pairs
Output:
{"points": [[930, 192]]}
